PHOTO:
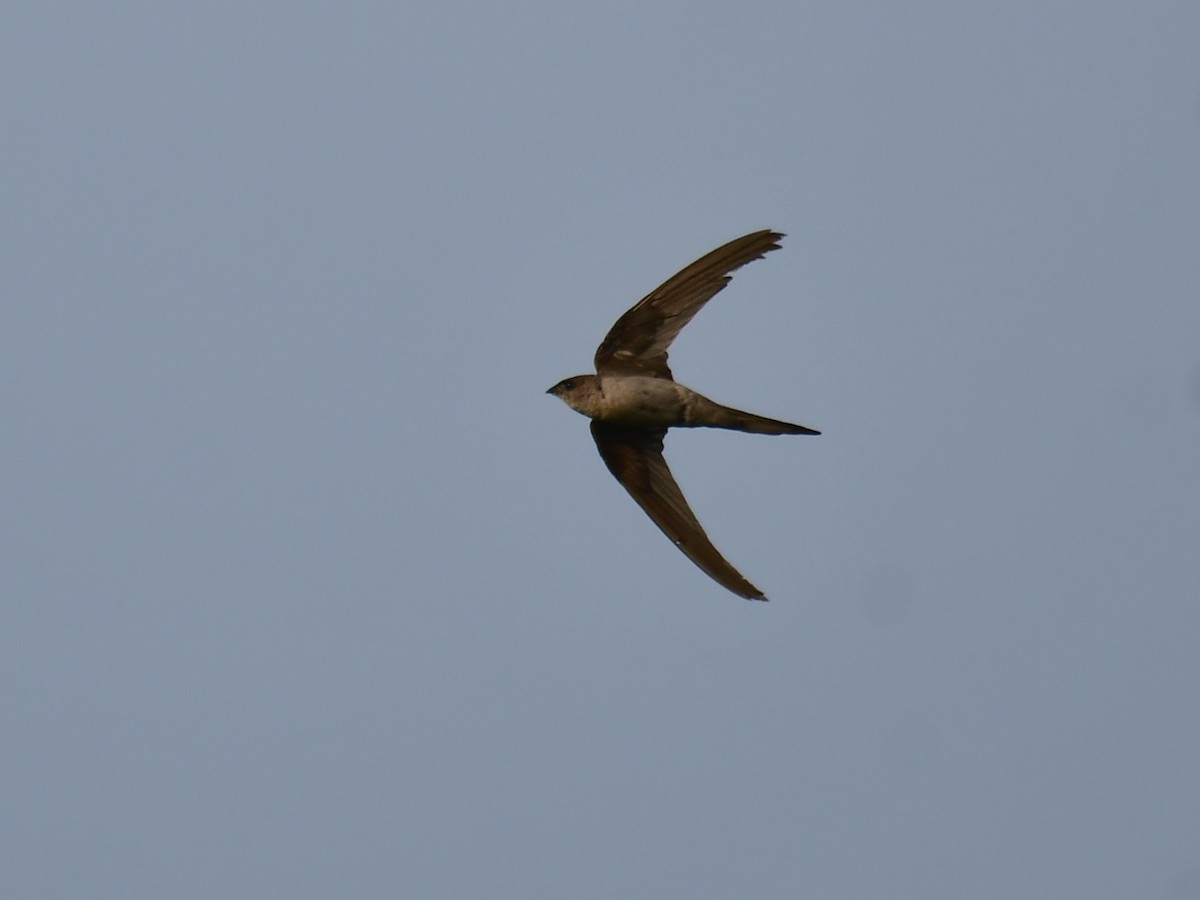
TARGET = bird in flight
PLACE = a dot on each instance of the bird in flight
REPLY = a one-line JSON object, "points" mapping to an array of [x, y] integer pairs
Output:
{"points": [[632, 400]]}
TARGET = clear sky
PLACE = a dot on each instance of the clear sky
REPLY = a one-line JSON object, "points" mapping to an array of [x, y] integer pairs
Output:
{"points": [[309, 590]]}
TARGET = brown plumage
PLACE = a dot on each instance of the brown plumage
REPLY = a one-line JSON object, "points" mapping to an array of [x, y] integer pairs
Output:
{"points": [[633, 399]]}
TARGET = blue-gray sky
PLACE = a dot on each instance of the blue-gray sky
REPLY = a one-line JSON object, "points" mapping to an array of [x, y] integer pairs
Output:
{"points": [[310, 591]]}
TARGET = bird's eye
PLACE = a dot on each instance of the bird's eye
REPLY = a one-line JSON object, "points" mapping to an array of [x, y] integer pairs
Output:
{"points": [[569, 384]]}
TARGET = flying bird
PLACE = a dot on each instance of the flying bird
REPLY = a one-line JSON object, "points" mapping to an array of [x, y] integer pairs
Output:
{"points": [[633, 399]]}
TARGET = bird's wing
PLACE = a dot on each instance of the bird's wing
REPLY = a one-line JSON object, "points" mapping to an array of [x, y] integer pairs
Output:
{"points": [[637, 344], [634, 456]]}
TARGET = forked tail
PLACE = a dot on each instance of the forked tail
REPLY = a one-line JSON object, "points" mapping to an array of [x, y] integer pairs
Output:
{"points": [[744, 421], [717, 416]]}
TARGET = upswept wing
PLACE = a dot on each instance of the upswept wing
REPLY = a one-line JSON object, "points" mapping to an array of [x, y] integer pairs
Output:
{"points": [[635, 458], [637, 344]]}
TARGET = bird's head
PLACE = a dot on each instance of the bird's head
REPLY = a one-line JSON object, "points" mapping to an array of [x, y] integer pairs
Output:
{"points": [[576, 392]]}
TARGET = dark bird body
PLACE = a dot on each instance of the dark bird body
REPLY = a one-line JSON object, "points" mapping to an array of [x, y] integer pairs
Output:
{"points": [[633, 399]]}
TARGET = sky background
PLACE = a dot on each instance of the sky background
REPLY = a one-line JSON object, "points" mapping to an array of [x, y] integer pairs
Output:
{"points": [[307, 589]]}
